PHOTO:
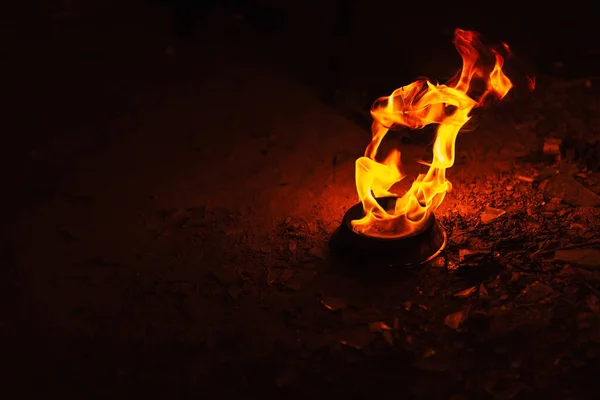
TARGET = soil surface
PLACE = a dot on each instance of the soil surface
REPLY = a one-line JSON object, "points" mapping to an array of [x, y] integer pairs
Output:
{"points": [[170, 200]]}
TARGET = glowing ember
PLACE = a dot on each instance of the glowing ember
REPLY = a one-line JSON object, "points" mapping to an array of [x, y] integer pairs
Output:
{"points": [[416, 105]]}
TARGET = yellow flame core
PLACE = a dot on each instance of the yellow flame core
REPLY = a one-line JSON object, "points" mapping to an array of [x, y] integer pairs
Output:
{"points": [[416, 105]]}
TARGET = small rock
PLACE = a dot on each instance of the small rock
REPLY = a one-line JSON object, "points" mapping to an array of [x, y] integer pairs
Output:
{"points": [[585, 257], [379, 326], [273, 276], [388, 337], [577, 227], [536, 291], [483, 292], [459, 237], [524, 178], [265, 250], [555, 204], [465, 293], [357, 338], [490, 214], [566, 271], [438, 262], [593, 303], [333, 303], [293, 245], [566, 188], [318, 253], [462, 253], [552, 146], [455, 319], [476, 265]]}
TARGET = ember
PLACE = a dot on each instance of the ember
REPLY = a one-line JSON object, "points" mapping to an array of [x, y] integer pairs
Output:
{"points": [[414, 106]]}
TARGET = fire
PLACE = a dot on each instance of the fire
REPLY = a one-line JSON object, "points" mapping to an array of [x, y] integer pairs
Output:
{"points": [[414, 106]]}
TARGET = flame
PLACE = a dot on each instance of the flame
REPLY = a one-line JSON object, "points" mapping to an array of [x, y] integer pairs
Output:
{"points": [[416, 105]]}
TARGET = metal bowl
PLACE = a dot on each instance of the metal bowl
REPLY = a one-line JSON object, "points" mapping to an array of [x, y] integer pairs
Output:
{"points": [[369, 251]]}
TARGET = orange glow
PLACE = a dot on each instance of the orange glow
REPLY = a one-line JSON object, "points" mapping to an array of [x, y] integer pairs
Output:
{"points": [[416, 105], [531, 82]]}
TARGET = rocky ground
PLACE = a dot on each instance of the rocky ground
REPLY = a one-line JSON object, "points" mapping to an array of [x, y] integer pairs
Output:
{"points": [[171, 212]]}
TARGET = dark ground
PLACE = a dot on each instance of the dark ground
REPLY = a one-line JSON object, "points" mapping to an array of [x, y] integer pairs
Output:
{"points": [[169, 195]]}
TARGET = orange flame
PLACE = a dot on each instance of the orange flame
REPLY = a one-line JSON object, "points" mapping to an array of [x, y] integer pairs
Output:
{"points": [[416, 105]]}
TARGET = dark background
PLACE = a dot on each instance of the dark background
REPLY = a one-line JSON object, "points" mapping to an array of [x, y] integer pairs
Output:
{"points": [[71, 68], [67, 63]]}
